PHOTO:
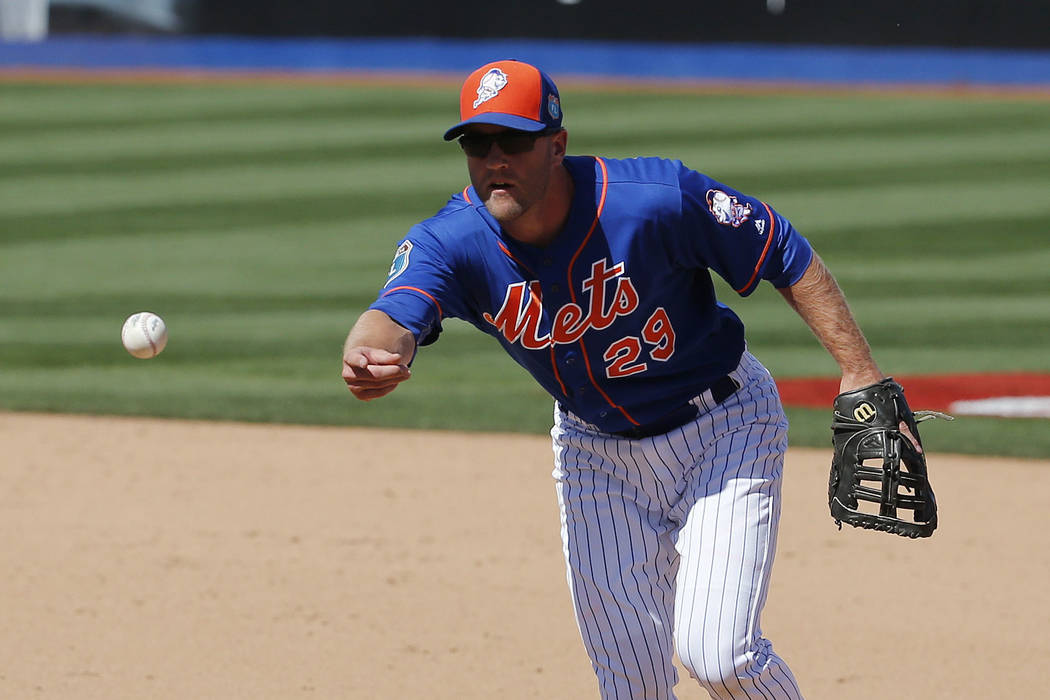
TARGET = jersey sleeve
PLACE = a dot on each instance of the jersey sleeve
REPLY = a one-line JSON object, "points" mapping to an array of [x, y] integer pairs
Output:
{"points": [[739, 237], [421, 287]]}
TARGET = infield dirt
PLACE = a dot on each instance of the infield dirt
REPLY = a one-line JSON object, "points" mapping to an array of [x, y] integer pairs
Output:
{"points": [[174, 559]]}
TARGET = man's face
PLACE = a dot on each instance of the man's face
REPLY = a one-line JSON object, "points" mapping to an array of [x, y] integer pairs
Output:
{"points": [[510, 184]]}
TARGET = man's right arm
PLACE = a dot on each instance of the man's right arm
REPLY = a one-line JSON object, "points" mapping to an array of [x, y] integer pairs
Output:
{"points": [[376, 355]]}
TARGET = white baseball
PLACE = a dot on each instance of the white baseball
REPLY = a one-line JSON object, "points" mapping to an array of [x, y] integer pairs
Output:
{"points": [[144, 335]]}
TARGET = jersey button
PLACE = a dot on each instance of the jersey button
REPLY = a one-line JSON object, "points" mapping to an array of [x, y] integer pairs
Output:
{"points": [[548, 261], [603, 414], [555, 288]]}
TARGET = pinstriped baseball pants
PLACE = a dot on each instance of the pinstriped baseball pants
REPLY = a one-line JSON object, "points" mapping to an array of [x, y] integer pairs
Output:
{"points": [[669, 543]]}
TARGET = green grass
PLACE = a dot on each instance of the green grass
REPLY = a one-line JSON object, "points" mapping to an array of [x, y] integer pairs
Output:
{"points": [[260, 219]]}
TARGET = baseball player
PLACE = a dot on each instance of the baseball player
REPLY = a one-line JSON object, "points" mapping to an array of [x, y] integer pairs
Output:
{"points": [[669, 437]]}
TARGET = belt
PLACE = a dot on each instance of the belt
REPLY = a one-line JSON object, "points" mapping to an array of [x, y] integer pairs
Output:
{"points": [[721, 390]]}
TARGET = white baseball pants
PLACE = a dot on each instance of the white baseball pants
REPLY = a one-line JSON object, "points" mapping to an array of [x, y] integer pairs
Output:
{"points": [[669, 543]]}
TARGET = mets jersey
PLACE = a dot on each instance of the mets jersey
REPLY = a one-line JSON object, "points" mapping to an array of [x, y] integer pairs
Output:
{"points": [[616, 318]]}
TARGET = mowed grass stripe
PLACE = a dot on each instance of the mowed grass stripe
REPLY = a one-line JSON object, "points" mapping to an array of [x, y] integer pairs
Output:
{"points": [[798, 359], [666, 125], [221, 136], [690, 120], [855, 142], [853, 224], [101, 108], [1027, 314], [1028, 263], [950, 239], [290, 211], [842, 151], [1003, 146], [200, 305], [762, 169], [901, 202], [77, 193], [196, 159], [906, 205], [739, 115], [437, 401], [997, 168], [1016, 324], [49, 103], [251, 262], [212, 334]]}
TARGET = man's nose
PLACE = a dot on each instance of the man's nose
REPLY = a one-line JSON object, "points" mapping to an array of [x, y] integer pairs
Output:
{"points": [[496, 158]]}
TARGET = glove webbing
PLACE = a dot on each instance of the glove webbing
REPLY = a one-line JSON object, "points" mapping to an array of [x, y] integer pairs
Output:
{"points": [[887, 497]]}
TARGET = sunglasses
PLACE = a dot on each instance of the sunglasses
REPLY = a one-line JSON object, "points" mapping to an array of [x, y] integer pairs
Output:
{"points": [[510, 142]]}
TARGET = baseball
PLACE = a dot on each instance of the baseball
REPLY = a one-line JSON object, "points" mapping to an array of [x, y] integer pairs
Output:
{"points": [[144, 335]]}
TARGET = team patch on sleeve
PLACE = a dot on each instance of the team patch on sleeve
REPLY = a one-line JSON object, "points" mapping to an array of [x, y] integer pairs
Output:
{"points": [[400, 263], [726, 209]]}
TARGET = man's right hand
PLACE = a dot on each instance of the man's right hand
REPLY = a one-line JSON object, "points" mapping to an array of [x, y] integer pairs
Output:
{"points": [[371, 373]]}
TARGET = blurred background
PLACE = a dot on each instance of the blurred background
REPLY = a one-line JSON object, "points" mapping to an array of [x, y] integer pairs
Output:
{"points": [[967, 23], [246, 169]]}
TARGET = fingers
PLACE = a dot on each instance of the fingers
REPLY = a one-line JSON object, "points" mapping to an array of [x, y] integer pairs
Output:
{"points": [[366, 385], [371, 373], [362, 357], [376, 375], [370, 394], [910, 438]]}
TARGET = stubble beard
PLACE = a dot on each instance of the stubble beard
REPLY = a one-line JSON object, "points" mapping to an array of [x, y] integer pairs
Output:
{"points": [[505, 208], [511, 206]]}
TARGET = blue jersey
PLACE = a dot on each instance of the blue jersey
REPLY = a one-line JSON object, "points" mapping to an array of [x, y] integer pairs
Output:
{"points": [[617, 318]]}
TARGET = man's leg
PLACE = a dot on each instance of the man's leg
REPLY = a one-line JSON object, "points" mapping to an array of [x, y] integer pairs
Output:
{"points": [[620, 557], [732, 512]]}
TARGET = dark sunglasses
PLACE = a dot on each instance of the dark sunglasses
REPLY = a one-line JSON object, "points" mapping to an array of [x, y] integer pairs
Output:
{"points": [[510, 142]]}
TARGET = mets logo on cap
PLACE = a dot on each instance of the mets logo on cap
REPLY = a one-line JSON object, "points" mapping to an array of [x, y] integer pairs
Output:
{"points": [[490, 85]]}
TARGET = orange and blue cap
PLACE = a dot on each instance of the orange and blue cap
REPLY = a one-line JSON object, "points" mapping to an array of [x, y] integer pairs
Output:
{"points": [[508, 93]]}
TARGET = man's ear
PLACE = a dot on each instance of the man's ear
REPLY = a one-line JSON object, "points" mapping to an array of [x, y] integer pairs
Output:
{"points": [[560, 143]]}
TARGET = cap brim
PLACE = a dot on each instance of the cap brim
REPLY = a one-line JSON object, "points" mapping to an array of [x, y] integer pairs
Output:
{"points": [[511, 121]]}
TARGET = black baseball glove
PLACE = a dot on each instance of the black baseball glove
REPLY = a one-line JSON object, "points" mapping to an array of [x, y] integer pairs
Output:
{"points": [[869, 447]]}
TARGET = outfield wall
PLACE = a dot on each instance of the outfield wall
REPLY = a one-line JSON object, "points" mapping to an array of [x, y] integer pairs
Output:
{"points": [[999, 23], [811, 64]]}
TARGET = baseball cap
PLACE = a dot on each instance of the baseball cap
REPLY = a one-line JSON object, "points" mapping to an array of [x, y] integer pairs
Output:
{"points": [[508, 93]]}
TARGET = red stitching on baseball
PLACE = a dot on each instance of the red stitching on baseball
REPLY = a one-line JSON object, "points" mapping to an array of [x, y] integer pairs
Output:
{"points": [[145, 331]]}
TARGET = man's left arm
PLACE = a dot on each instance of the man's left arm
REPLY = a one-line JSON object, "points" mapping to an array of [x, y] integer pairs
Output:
{"points": [[817, 298]]}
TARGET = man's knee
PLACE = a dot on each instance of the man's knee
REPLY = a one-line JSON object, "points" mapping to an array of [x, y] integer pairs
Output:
{"points": [[709, 661], [732, 668], [721, 664]]}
